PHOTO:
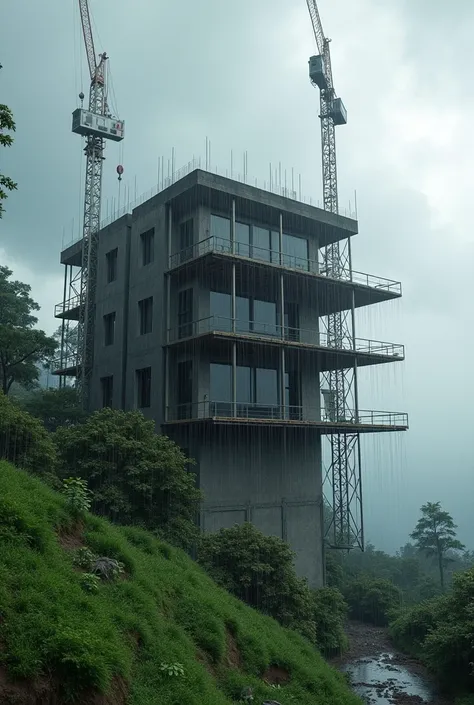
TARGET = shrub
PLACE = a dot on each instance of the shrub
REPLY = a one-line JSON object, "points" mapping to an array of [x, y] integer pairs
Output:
{"points": [[136, 476], [23, 439], [372, 600], [410, 629], [329, 613], [78, 496], [259, 570]]}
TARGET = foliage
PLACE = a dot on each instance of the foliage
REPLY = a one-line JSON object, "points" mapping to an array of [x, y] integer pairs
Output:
{"points": [[411, 627], [126, 629], [329, 613], [259, 570], [7, 123], [23, 439], [435, 535], [107, 568], [55, 407], [22, 346], [136, 476], [84, 558], [175, 670], [90, 582], [372, 600], [78, 495]]}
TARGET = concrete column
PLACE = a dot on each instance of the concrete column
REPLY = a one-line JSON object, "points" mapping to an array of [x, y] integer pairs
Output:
{"points": [[281, 238], [168, 317], [232, 226], [234, 379], [233, 294], [170, 232], [282, 382], [63, 326], [282, 305]]}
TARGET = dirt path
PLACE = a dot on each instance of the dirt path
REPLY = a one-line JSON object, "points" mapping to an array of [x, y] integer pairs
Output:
{"points": [[371, 650]]}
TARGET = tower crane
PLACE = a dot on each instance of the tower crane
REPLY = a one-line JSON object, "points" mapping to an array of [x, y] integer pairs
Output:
{"points": [[95, 124], [343, 473]]}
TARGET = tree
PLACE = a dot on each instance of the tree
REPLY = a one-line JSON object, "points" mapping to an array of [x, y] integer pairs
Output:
{"points": [[259, 570], [22, 346], [435, 535], [6, 140], [55, 407], [24, 440], [136, 476]]}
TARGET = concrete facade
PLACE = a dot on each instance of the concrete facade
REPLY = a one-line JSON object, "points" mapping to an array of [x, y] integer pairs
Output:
{"points": [[258, 445]]}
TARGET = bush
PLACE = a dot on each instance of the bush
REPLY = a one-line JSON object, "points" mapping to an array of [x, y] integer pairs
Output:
{"points": [[372, 600], [259, 570], [136, 476], [410, 629], [23, 439], [329, 613]]}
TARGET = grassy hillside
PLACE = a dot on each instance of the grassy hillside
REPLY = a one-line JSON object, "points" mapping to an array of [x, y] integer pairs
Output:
{"points": [[162, 633]]}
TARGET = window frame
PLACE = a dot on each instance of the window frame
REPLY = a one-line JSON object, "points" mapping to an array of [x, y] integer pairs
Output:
{"points": [[145, 316], [147, 247], [111, 258], [143, 382], [107, 391], [109, 320]]}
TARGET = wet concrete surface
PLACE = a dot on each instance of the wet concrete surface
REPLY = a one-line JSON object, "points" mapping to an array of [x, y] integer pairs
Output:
{"points": [[380, 674]]}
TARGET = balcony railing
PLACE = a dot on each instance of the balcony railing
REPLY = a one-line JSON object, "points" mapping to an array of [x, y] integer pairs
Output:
{"points": [[272, 331], [222, 245], [68, 305], [236, 411], [67, 362]]}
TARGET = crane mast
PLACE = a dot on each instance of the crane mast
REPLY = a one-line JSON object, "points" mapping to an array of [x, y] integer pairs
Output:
{"points": [[343, 473], [95, 124]]}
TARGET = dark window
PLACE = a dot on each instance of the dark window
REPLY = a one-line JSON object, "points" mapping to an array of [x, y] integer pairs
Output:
{"points": [[144, 388], [292, 324], [264, 317], [220, 390], [145, 309], [186, 239], [221, 311], [220, 231], [111, 259], [185, 313], [107, 389], [293, 394], [265, 244], [185, 389], [242, 239], [109, 329], [147, 241], [295, 251]]}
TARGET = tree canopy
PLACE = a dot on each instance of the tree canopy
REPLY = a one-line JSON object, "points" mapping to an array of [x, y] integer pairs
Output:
{"points": [[55, 407], [22, 346], [7, 124], [435, 535], [136, 476]]}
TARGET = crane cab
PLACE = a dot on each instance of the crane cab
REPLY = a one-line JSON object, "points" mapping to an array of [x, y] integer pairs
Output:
{"points": [[338, 112], [86, 123], [317, 72]]}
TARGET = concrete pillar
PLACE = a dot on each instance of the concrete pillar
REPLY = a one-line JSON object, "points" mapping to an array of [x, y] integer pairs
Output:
{"points": [[168, 317], [232, 226], [234, 379]]}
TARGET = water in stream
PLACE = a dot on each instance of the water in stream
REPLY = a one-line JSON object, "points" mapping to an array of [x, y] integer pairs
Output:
{"points": [[381, 681]]}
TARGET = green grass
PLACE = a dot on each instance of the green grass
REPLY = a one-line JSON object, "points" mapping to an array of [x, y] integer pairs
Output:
{"points": [[165, 610]]}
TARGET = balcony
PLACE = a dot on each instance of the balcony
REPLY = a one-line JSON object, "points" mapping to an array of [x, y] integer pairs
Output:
{"points": [[223, 247], [221, 328], [69, 309], [67, 366], [237, 413]]}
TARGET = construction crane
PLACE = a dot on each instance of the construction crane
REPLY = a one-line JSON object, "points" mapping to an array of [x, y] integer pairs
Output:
{"points": [[343, 473], [95, 124]]}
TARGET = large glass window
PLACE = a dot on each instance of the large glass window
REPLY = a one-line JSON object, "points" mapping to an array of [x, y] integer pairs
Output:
{"points": [[242, 239], [185, 313], [220, 389], [185, 389], [266, 387], [295, 252], [261, 244], [220, 231], [244, 385], [221, 311], [264, 317], [242, 314], [186, 237], [293, 394]]}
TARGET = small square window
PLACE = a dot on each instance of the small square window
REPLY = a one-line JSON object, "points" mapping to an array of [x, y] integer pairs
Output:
{"points": [[145, 309], [107, 389], [111, 259], [144, 388], [109, 328], [147, 241]]}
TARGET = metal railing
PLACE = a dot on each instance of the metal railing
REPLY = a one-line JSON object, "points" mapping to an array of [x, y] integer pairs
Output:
{"points": [[220, 245], [68, 305], [67, 362], [276, 412], [272, 331]]}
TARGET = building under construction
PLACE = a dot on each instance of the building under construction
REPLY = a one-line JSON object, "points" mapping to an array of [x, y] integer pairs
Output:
{"points": [[209, 311]]}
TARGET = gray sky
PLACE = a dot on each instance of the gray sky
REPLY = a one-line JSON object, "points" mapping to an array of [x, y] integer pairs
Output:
{"points": [[237, 73]]}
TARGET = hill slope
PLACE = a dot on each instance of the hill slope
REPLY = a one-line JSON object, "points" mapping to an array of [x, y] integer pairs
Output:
{"points": [[163, 633]]}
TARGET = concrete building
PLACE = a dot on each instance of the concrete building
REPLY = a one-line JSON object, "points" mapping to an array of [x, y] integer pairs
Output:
{"points": [[208, 302]]}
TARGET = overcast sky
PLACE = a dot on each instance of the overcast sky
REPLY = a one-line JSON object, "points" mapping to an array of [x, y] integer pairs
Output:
{"points": [[237, 73]]}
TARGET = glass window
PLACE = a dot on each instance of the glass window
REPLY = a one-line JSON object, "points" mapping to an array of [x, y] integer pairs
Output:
{"points": [[242, 239], [265, 317], [266, 387], [111, 259], [260, 243], [220, 230], [220, 390], [275, 236], [185, 389], [147, 241], [221, 311], [244, 385], [242, 314], [295, 250], [144, 388], [109, 329], [292, 394], [107, 389], [185, 313], [145, 311], [186, 238]]}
